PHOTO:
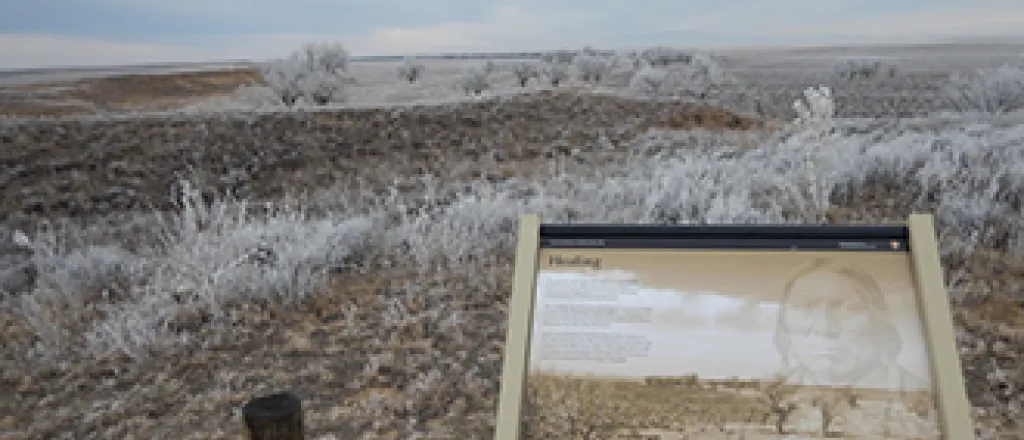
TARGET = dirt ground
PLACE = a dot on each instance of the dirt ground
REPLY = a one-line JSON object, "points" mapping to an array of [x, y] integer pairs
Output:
{"points": [[137, 92]]}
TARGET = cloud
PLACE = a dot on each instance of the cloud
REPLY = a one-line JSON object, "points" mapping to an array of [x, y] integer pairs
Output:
{"points": [[505, 28], [711, 310], [953, 20], [139, 31], [672, 309], [27, 51]]}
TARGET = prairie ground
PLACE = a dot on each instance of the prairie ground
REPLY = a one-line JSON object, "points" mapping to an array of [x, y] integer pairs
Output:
{"points": [[194, 248]]}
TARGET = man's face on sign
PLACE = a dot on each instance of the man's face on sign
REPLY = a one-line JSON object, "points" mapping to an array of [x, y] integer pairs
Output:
{"points": [[829, 325]]}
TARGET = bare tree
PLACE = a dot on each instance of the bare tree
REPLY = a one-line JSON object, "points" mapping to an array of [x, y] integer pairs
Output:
{"points": [[833, 405], [779, 399]]}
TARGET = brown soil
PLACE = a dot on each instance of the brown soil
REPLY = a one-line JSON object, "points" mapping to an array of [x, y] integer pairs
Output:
{"points": [[130, 164], [144, 92]]}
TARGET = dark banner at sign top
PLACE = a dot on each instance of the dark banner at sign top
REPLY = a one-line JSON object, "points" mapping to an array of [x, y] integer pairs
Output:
{"points": [[759, 237]]}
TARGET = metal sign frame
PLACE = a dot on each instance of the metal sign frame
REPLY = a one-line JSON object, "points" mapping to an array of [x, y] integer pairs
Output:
{"points": [[916, 236]]}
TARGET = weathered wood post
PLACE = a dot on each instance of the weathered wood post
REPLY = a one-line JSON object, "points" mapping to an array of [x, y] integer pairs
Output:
{"points": [[274, 417]]}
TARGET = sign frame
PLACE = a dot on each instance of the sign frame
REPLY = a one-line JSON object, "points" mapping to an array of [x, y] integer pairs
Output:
{"points": [[953, 407]]}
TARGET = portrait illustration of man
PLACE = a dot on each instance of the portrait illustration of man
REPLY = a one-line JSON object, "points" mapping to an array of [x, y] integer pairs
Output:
{"points": [[835, 329]]}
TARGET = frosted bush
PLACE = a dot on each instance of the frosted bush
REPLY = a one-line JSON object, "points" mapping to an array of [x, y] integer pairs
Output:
{"points": [[679, 81], [411, 70], [621, 67], [998, 90], [214, 253], [858, 68], [316, 74], [695, 75], [474, 80], [556, 73], [489, 66], [817, 106], [524, 71], [592, 68]]}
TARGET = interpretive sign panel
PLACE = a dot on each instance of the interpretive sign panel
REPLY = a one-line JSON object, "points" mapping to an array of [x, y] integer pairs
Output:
{"points": [[760, 332]]}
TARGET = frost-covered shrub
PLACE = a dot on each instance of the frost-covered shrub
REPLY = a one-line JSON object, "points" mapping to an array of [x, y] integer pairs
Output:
{"points": [[474, 80], [524, 71], [852, 69], [556, 73], [698, 78], [815, 119], [621, 69], [817, 105], [592, 68], [998, 90], [316, 74], [411, 70]]}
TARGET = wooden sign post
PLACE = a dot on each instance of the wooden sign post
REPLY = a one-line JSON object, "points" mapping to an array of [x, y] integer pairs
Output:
{"points": [[753, 330], [274, 417]]}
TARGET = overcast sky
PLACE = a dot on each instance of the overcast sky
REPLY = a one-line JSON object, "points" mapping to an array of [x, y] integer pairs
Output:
{"points": [[103, 32]]}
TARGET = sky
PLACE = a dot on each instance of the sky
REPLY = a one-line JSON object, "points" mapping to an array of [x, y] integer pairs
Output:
{"points": [[40, 33]]}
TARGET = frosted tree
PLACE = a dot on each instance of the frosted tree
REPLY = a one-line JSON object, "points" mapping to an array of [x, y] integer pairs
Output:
{"points": [[817, 107], [592, 67], [474, 80], [489, 67], [998, 90], [695, 80], [621, 69], [524, 71], [411, 70], [556, 73], [317, 73]]}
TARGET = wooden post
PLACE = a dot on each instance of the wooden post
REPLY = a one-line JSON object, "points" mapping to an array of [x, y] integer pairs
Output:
{"points": [[274, 417]]}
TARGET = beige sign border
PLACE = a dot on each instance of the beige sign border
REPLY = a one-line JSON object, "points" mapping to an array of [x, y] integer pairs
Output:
{"points": [[954, 408]]}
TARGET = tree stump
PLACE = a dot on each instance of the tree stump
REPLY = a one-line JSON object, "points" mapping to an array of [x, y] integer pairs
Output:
{"points": [[274, 417]]}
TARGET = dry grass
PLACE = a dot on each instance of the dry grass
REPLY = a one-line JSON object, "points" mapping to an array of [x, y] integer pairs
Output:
{"points": [[136, 92]]}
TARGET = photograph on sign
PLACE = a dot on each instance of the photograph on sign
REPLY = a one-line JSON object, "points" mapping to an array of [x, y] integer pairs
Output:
{"points": [[714, 344]]}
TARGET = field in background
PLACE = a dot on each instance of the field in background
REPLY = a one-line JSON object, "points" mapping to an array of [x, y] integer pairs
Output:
{"points": [[191, 253]]}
